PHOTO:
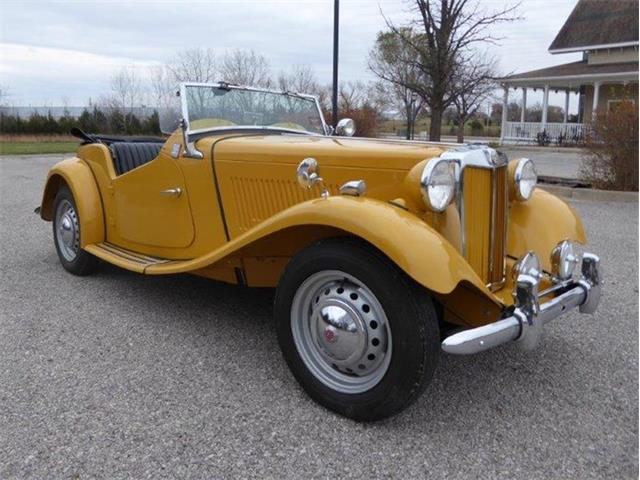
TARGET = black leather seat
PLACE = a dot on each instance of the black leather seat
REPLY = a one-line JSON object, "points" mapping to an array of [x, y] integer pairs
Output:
{"points": [[129, 155]]}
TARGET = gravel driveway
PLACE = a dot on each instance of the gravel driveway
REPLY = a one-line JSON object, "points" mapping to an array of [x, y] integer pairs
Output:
{"points": [[123, 376]]}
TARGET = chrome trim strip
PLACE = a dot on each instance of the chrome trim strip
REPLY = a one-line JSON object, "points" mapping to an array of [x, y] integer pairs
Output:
{"points": [[460, 207]]}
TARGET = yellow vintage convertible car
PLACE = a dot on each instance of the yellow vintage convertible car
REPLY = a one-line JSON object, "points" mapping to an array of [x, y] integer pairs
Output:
{"points": [[382, 252]]}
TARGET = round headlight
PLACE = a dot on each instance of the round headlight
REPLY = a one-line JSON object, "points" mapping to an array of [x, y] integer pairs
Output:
{"points": [[528, 265], [525, 179], [564, 259], [438, 184], [346, 128]]}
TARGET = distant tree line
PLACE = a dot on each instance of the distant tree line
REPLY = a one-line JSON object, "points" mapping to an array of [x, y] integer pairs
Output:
{"points": [[94, 120]]}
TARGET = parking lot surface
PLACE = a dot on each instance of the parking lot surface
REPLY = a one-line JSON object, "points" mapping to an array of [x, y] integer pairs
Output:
{"points": [[118, 375], [550, 162]]}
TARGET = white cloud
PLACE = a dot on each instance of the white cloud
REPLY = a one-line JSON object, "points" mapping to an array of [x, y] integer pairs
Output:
{"points": [[65, 48], [45, 75]]}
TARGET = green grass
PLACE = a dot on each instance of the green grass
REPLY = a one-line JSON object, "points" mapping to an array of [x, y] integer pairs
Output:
{"points": [[395, 126], [35, 148]]}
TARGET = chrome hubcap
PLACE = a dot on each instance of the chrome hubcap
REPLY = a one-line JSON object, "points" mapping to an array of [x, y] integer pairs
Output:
{"points": [[341, 332], [67, 230]]}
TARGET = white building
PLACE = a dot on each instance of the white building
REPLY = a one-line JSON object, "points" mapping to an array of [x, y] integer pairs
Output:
{"points": [[607, 34]]}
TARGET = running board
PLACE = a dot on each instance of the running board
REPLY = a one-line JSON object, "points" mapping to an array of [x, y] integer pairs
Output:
{"points": [[127, 259]]}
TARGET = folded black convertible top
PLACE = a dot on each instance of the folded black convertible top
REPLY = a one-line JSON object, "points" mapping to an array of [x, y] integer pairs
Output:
{"points": [[108, 140]]}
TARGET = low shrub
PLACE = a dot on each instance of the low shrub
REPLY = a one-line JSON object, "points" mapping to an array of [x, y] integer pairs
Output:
{"points": [[365, 118], [611, 161], [476, 127]]}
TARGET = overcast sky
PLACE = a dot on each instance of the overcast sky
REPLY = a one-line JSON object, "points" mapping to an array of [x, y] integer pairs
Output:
{"points": [[63, 52]]}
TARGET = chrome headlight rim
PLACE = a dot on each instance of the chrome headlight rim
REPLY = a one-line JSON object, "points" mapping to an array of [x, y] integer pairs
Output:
{"points": [[565, 258], [518, 177], [427, 184]]}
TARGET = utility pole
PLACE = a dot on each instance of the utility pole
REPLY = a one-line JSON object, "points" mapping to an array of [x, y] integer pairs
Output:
{"points": [[334, 99]]}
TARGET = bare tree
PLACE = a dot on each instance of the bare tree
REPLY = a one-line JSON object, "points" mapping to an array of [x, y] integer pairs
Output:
{"points": [[246, 68], [391, 59], [444, 36], [126, 93], [382, 97], [472, 85], [5, 94], [352, 95], [300, 79], [193, 65]]}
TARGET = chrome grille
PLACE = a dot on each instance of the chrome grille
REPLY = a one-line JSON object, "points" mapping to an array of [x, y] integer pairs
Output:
{"points": [[484, 219]]}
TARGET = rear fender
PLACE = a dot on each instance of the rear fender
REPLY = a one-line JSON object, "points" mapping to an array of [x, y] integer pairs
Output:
{"points": [[409, 242], [77, 176]]}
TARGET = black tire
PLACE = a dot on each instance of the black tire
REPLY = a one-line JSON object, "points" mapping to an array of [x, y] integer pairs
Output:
{"points": [[411, 316], [84, 263]]}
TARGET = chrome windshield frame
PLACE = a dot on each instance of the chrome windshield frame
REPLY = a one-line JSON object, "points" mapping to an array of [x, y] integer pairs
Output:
{"points": [[185, 111]]}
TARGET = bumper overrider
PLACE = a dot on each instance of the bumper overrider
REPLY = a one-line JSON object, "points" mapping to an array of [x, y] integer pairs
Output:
{"points": [[525, 321]]}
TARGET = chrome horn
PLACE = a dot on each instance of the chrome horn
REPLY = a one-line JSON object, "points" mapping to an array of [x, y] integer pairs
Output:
{"points": [[308, 176]]}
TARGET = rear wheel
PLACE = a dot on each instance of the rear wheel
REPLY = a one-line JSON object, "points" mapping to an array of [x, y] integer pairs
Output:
{"points": [[66, 235], [358, 334]]}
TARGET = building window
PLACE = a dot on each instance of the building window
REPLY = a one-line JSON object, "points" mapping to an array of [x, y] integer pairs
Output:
{"points": [[614, 104]]}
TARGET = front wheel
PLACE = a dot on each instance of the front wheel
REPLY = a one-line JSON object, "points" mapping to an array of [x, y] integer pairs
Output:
{"points": [[66, 235], [359, 335]]}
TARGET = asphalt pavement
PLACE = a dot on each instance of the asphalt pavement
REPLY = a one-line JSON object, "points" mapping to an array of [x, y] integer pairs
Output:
{"points": [[549, 161], [118, 375]]}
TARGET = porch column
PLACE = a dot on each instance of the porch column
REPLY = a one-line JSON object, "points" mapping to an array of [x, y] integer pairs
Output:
{"points": [[545, 107], [524, 105], [505, 105], [596, 94], [566, 106]]}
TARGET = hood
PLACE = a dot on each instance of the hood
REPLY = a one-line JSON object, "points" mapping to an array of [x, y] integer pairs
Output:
{"points": [[328, 151]]}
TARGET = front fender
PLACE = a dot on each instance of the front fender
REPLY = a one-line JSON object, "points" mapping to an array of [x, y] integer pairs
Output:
{"points": [[408, 241], [539, 224], [77, 175]]}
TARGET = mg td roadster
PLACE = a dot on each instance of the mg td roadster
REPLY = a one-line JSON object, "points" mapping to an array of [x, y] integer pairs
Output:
{"points": [[383, 253]]}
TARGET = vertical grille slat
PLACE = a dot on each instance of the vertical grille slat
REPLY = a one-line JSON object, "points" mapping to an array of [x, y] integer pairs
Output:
{"points": [[500, 228], [484, 201]]}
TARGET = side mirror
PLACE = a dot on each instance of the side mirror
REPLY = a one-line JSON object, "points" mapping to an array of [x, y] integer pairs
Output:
{"points": [[346, 128], [189, 150]]}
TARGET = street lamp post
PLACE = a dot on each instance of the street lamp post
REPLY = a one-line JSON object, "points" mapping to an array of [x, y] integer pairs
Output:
{"points": [[334, 99], [412, 120]]}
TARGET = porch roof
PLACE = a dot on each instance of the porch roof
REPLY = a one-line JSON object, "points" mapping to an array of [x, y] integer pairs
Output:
{"points": [[574, 74], [597, 24]]}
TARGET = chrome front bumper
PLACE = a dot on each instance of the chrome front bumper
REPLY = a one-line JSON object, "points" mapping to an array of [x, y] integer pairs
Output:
{"points": [[525, 323]]}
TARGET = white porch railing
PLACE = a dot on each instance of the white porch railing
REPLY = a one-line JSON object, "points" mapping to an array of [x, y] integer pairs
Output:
{"points": [[552, 133]]}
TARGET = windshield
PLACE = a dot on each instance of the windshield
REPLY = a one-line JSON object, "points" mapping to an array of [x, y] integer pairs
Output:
{"points": [[213, 106]]}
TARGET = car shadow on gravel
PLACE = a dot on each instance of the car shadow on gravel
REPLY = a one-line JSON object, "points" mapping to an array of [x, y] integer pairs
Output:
{"points": [[498, 384]]}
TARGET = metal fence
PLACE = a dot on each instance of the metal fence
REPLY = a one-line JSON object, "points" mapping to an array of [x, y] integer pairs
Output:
{"points": [[551, 133]]}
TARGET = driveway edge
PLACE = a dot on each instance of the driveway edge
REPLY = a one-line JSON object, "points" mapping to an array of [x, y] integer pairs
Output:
{"points": [[591, 194]]}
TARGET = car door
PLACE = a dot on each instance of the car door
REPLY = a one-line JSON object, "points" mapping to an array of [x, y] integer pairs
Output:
{"points": [[152, 206]]}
